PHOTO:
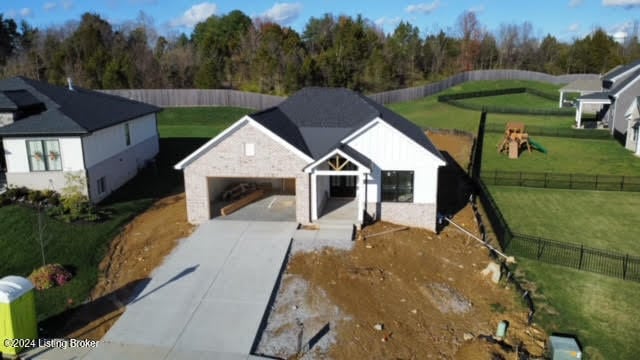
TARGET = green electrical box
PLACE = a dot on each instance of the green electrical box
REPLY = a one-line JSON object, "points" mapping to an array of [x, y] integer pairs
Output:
{"points": [[18, 319], [564, 348]]}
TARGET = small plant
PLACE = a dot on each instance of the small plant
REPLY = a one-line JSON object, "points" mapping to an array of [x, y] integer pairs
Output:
{"points": [[50, 275], [17, 193], [498, 308], [35, 196]]}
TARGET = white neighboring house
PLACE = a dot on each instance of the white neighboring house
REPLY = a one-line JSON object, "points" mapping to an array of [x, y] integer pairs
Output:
{"points": [[49, 131], [319, 144], [633, 123]]}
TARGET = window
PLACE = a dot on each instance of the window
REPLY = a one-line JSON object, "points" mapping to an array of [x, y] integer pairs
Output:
{"points": [[397, 186], [102, 185], [249, 149], [44, 155], [127, 134]]}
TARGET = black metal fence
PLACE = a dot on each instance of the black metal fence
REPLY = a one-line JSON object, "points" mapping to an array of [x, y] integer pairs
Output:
{"points": [[577, 256], [567, 132], [562, 181], [615, 264]]}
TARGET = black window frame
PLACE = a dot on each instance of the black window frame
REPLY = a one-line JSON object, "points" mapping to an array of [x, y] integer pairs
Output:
{"points": [[101, 185], [392, 188], [127, 134]]}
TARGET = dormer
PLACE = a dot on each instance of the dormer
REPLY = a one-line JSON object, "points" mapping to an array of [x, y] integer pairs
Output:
{"points": [[18, 104]]}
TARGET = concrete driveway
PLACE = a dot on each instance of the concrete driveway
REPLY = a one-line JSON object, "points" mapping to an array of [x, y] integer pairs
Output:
{"points": [[207, 300]]}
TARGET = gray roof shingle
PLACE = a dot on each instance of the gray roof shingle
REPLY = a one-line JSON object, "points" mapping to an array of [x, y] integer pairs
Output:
{"points": [[315, 120], [77, 111]]}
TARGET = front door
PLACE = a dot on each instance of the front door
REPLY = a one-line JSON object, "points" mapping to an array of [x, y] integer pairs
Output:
{"points": [[343, 186]]}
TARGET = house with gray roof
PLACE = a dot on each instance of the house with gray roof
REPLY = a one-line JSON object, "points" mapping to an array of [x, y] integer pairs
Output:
{"points": [[322, 144], [49, 132], [633, 125], [619, 88]]}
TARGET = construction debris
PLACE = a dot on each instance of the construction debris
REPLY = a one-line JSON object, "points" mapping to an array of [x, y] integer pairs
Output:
{"points": [[255, 195], [378, 327], [385, 232], [492, 269]]}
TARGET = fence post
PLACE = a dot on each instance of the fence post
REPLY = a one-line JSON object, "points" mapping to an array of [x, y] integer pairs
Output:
{"points": [[570, 181], [624, 266], [539, 254], [596, 185], [581, 254]]}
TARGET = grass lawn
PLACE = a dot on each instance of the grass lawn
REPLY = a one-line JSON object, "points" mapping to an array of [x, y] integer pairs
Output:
{"points": [[600, 310], [79, 246], [565, 155], [520, 101], [197, 122], [599, 219], [504, 84], [82, 246]]}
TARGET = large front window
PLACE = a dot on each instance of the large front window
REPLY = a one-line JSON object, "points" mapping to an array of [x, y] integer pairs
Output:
{"points": [[397, 186], [44, 155]]}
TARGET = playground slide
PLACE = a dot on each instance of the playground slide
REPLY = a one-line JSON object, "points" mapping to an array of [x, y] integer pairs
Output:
{"points": [[537, 146]]}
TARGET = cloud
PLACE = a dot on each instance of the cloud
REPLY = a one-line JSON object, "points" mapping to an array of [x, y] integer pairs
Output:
{"points": [[393, 21], [26, 12], [628, 4], [620, 31], [195, 14], [477, 9], [49, 6], [575, 27], [283, 13], [423, 8], [67, 4], [575, 3]]}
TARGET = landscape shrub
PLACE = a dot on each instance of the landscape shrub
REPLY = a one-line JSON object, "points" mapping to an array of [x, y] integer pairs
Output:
{"points": [[50, 275]]}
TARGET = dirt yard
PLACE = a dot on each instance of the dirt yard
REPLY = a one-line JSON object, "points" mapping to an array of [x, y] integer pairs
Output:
{"points": [[410, 294], [141, 247]]}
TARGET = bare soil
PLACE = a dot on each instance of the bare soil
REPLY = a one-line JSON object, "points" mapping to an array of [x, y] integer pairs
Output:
{"points": [[132, 256]]}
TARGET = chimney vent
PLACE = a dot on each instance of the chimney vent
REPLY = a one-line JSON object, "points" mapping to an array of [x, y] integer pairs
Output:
{"points": [[70, 83]]}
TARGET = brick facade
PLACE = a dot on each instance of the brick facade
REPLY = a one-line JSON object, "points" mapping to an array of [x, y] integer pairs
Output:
{"points": [[227, 159], [408, 214]]}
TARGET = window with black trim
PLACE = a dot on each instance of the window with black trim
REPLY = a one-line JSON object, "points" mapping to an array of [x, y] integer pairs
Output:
{"points": [[44, 155], [397, 186], [102, 185]]}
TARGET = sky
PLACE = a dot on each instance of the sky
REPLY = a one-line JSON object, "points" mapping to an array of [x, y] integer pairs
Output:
{"points": [[565, 19]]}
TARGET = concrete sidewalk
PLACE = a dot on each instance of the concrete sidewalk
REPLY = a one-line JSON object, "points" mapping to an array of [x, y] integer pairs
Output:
{"points": [[206, 301]]}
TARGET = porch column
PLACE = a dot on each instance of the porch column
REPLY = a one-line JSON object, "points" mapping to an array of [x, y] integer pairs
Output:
{"points": [[361, 192], [561, 98], [314, 196], [579, 115]]}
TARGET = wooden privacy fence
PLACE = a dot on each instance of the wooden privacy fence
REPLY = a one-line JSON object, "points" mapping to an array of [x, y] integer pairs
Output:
{"points": [[199, 97], [223, 97], [419, 92], [562, 181], [623, 266]]}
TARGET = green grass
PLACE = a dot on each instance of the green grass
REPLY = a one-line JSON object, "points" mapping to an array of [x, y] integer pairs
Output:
{"points": [[503, 84], [78, 246], [565, 155], [599, 219], [521, 101], [601, 311], [197, 122]]}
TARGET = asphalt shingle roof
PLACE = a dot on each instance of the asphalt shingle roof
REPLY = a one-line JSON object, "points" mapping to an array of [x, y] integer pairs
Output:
{"points": [[620, 70], [315, 120], [77, 111]]}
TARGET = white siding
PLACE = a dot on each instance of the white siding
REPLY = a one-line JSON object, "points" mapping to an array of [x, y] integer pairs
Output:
{"points": [[106, 143], [389, 149], [18, 162]]}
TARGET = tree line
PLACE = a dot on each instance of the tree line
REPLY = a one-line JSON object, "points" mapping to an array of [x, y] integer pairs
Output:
{"points": [[235, 51]]}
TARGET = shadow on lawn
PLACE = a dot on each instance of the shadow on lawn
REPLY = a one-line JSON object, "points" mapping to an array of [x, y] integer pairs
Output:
{"points": [[159, 179]]}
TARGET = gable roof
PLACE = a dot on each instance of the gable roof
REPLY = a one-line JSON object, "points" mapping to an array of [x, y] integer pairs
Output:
{"points": [[620, 70], [315, 120], [66, 112]]}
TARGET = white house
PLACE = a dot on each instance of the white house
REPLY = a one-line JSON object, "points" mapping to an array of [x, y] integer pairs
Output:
{"points": [[50, 131], [633, 123], [323, 143]]}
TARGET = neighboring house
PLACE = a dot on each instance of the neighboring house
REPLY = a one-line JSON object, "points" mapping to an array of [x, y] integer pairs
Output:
{"points": [[322, 143], [633, 123], [50, 131], [620, 87]]}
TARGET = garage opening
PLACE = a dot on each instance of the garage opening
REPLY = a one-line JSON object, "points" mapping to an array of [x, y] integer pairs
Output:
{"points": [[259, 198]]}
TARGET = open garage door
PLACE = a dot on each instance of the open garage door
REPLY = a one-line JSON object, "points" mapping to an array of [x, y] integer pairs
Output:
{"points": [[259, 198]]}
